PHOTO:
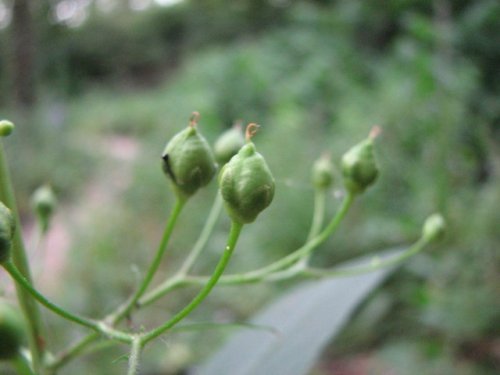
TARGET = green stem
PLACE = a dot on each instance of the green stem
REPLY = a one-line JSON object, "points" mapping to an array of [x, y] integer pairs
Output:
{"points": [[317, 221], [177, 280], [204, 235], [135, 354], [303, 251], [21, 280], [376, 264], [169, 227], [169, 285], [26, 302], [73, 351], [264, 272], [219, 269], [125, 309]]}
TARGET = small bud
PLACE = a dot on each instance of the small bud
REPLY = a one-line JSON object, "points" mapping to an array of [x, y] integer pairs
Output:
{"points": [[228, 144], [434, 228], [6, 127], [359, 166], [322, 173], [12, 331], [7, 226], [44, 203], [188, 160], [246, 183]]}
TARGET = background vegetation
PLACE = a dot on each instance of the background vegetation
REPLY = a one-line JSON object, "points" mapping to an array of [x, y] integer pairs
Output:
{"points": [[111, 86]]}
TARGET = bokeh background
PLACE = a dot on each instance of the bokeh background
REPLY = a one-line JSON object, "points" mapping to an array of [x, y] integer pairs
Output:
{"points": [[97, 87]]}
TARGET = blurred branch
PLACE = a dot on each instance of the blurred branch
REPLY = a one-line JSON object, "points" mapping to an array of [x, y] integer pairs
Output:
{"points": [[23, 50]]}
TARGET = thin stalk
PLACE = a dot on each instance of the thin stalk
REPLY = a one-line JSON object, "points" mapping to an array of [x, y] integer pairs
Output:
{"points": [[135, 354], [287, 261], [205, 291], [73, 352], [376, 265], [169, 285], [169, 227], [264, 272], [317, 221], [21, 280], [125, 309], [26, 302], [204, 235]]}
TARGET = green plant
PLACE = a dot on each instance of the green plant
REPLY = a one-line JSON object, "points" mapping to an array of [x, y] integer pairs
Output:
{"points": [[246, 188]]}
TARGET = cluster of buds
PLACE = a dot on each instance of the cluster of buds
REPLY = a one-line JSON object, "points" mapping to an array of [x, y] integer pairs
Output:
{"points": [[245, 181]]}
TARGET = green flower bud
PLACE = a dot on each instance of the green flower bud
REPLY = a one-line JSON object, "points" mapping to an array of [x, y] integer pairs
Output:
{"points": [[246, 183], [6, 127], [359, 166], [434, 228], [7, 226], [12, 331], [228, 144], [322, 173], [188, 160], [44, 203]]}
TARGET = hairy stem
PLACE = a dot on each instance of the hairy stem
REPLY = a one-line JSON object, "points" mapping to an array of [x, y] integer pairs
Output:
{"points": [[204, 292], [134, 358], [169, 227], [204, 235], [21, 280]]}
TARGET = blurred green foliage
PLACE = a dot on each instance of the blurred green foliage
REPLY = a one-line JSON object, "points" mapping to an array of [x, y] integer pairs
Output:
{"points": [[316, 75]]}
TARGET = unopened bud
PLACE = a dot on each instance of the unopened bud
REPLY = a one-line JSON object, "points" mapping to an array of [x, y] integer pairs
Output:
{"points": [[44, 203], [228, 144], [434, 228], [359, 166], [246, 183], [322, 173], [188, 160]]}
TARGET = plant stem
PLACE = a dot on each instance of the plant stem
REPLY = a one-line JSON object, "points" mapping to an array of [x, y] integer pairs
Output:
{"points": [[306, 249], [376, 265], [125, 309], [203, 293], [178, 279], [135, 354], [21, 280], [169, 285], [204, 235], [317, 221], [169, 227], [85, 322], [26, 302], [264, 272], [72, 352]]}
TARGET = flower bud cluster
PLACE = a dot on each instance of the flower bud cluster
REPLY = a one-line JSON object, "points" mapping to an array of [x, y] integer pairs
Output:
{"points": [[245, 181]]}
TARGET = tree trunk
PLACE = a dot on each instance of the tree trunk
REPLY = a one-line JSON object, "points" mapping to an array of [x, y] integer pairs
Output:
{"points": [[23, 53]]}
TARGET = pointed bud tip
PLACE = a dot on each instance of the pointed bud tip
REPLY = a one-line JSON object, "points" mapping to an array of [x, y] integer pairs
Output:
{"points": [[251, 130], [194, 119], [375, 132]]}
